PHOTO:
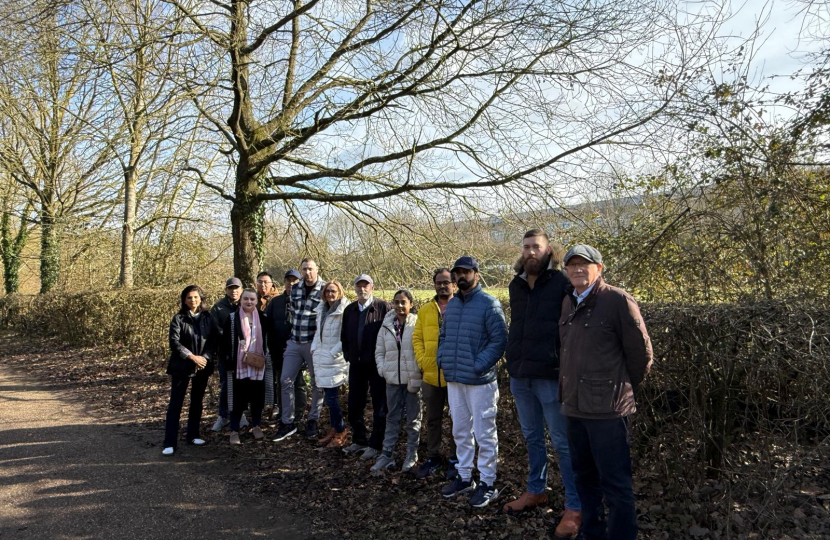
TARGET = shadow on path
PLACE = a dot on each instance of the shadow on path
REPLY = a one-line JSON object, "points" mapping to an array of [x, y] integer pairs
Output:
{"points": [[66, 474]]}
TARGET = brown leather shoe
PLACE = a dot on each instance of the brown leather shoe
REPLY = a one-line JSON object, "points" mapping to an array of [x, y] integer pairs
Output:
{"points": [[329, 436], [525, 501], [568, 527], [339, 440]]}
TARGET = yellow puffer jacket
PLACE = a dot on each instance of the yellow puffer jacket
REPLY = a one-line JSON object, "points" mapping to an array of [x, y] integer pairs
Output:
{"points": [[425, 342]]}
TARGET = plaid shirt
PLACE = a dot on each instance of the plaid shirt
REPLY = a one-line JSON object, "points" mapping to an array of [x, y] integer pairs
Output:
{"points": [[301, 315]]}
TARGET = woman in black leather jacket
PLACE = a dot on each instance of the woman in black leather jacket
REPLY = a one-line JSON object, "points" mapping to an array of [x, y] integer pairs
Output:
{"points": [[193, 342]]}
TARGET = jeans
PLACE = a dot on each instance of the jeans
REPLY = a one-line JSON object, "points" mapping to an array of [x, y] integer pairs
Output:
{"points": [[300, 389], [363, 378], [537, 402], [223, 391], [335, 411], [602, 465], [399, 398], [297, 354], [473, 409], [246, 391], [178, 388], [434, 400]]}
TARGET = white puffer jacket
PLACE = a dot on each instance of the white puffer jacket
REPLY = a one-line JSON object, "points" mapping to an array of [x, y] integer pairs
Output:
{"points": [[394, 365], [330, 367]]}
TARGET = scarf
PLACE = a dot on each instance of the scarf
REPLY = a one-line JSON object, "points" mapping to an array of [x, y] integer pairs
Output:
{"points": [[250, 343], [398, 326]]}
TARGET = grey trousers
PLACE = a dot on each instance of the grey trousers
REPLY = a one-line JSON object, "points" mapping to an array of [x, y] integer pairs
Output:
{"points": [[398, 398], [297, 354]]}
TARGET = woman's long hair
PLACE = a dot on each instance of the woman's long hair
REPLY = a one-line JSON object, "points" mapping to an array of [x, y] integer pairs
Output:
{"points": [[202, 305]]}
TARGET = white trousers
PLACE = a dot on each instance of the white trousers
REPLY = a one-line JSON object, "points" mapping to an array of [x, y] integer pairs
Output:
{"points": [[473, 410]]}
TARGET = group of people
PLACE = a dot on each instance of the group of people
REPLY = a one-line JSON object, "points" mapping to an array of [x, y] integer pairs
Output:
{"points": [[576, 350]]}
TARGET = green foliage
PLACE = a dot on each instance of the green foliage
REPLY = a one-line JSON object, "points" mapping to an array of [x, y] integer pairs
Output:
{"points": [[10, 250], [50, 254]]}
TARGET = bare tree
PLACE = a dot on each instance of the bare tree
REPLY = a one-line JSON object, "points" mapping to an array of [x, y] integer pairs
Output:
{"points": [[345, 102], [48, 98], [139, 53]]}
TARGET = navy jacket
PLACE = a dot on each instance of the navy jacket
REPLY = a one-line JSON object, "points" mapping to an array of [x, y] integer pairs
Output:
{"points": [[533, 341], [365, 351], [472, 338]]}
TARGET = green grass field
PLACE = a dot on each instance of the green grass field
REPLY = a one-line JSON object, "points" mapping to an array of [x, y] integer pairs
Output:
{"points": [[424, 295]]}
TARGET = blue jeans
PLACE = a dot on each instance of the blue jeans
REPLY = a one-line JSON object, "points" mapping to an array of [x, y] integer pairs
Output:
{"points": [[332, 396], [602, 465], [537, 402], [223, 391]]}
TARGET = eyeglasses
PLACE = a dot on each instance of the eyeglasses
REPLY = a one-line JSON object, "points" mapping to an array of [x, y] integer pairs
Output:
{"points": [[443, 283], [265, 281], [578, 266]]}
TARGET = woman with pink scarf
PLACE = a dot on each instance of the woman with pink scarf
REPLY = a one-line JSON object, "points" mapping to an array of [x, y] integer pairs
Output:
{"points": [[248, 383]]}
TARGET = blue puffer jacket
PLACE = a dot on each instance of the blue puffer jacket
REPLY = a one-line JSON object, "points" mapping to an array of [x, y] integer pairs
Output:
{"points": [[472, 338]]}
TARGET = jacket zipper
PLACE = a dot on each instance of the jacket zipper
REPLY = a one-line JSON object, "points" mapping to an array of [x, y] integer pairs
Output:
{"points": [[399, 359], [440, 324]]}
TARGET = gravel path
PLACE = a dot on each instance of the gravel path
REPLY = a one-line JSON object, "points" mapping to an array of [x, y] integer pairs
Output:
{"points": [[67, 474]]}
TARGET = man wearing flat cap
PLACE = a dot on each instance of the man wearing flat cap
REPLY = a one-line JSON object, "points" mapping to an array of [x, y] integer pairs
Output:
{"points": [[605, 354], [471, 341], [362, 321]]}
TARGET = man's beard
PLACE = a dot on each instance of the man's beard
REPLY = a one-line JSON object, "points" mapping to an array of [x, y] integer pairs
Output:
{"points": [[464, 285], [535, 266]]}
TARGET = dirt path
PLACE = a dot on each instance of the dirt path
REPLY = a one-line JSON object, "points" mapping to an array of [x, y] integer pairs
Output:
{"points": [[67, 474]]}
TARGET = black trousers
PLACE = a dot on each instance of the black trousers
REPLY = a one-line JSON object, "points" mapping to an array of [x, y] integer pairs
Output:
{"points": [[178, 388], [363, 377], [245, 392]]}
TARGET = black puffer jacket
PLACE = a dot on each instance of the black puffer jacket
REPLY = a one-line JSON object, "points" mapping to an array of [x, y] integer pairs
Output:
{"points": [[276, 324], [533, 339], [199, 335]]}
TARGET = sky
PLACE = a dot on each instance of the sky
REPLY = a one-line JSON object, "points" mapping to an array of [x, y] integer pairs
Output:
{"points": [[782, 46]]}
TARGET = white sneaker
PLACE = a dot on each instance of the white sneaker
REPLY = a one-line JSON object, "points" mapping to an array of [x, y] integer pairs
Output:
{"points": [[243, 422], [198, 442], [220, 423], [169, 451]]}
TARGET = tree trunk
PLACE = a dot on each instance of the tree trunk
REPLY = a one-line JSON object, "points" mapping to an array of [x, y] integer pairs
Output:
{"points": [[50, 250], [247, 216], [10, 250], [125, 278]]}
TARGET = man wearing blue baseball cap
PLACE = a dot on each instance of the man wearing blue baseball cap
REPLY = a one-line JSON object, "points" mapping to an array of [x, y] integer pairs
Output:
{"points": [[471, 341], [278, 326]]}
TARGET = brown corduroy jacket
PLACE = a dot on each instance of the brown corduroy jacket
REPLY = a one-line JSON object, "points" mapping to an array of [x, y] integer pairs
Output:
{"points": [[605, 353]]}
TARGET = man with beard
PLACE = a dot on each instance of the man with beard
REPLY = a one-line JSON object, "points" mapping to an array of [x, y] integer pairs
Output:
{"points": [[471, 341], [362, 321], [536, 294], [434, 386]]}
